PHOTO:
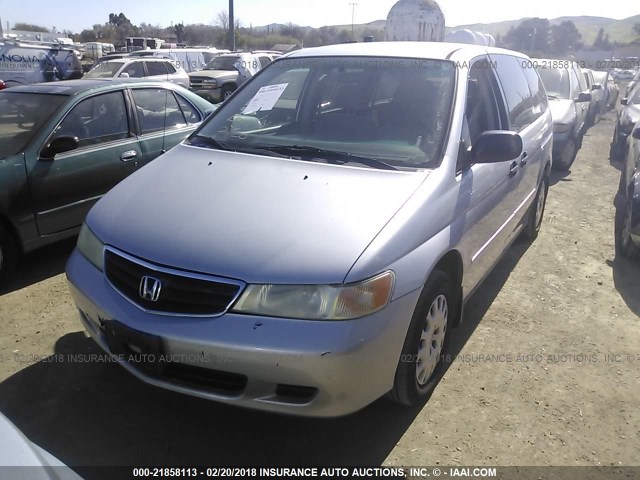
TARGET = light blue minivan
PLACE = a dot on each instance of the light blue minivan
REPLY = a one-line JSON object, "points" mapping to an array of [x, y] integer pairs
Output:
{"points": [[309, 247]]}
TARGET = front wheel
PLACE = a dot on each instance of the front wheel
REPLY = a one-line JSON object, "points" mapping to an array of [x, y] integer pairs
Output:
{"points": [[227, 91], [567, 157], [425, 341]]}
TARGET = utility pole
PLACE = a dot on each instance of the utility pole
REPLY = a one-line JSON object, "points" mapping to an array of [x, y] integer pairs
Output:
{"points": [[353, 12], [232, 28]]}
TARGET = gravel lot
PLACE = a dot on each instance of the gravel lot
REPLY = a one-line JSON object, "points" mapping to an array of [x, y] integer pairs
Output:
{"points": [[544, 371]]}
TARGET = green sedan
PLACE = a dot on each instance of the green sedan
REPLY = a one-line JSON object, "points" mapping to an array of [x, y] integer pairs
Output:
{"points": [[65, 144]]}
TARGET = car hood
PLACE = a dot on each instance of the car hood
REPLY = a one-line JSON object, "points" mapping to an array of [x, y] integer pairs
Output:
{"points": [[562, 110], [213, 73], [254, 218]]}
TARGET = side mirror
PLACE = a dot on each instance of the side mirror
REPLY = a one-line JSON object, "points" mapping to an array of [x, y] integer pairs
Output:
{"points": [[583, 97], [624, 101], [596, 86], [636, 133], [59, 145], [124, 75], [496, 146]]}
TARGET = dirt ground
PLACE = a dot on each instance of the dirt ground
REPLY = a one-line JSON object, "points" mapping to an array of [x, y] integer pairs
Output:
{"points": [[544, 371]]}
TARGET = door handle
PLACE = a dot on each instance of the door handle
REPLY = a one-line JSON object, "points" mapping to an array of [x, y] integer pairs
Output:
{"points": [[513, 168], [523, 158], [128, 155]]}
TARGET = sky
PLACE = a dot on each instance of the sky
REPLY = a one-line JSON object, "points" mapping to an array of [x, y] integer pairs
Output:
{"points": [[77, 15]]}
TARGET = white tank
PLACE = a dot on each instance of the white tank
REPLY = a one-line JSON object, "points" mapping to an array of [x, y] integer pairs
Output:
{"points": [[415, 20], [461, 36]]}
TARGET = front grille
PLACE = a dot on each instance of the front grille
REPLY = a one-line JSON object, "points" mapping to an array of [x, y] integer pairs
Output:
{"points": [[180, 292], [197, 82], [198, 377]]}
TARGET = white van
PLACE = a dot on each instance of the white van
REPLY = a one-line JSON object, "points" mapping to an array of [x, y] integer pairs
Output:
{"points": [[23, 64]]}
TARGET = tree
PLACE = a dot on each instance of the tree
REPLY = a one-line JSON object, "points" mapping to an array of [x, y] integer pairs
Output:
{"points": [[29, 27], [566, 37], [222, 20], [531, 35], [602, 41], [179, 31]]}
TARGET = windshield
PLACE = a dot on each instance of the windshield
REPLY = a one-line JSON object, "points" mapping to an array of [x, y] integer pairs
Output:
{"points": [[391, 113], [222, 63], [634, 97], [556, 82], [21, 116], [600, 77], [104, 70]]}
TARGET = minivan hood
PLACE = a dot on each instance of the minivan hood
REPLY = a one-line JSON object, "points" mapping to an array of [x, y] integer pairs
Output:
{"points": [[253, 218], [562, 110]]}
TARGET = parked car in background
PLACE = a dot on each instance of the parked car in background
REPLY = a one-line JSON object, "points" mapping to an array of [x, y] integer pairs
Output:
{"points": [[632, 83], [629, 234], [614, 92], [628, 117], [422, 170], [64, 145], [190, 59], [156, 69], [569, 101], [605, 81], [225, 73], [625, 75], [596, 97]]}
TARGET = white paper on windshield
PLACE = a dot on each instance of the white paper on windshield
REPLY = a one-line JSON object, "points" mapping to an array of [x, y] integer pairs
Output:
{"points": [[266, 98]]}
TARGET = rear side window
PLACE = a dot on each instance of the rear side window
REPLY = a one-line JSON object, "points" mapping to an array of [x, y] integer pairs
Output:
{"points": [[538, 93], [156, 68], [516, 91], [170, 68], [134, 69], [157, 110]]}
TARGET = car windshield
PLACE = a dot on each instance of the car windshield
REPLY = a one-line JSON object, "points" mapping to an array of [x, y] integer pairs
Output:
{"points": [[104, 70], [21, 117], [222, 63], [556, 82], [634, 97], [378, 112]]}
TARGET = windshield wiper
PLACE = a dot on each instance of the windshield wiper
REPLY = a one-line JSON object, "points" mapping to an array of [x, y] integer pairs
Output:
{"points": [[331, 156], [208, 142]]}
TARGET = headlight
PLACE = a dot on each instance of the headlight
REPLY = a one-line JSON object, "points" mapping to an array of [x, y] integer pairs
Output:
{"points": [[318, 302], [561, 128], [91, 247]]}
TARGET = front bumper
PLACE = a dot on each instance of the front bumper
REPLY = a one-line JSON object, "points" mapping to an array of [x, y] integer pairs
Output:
{"points": [[341, 366]]}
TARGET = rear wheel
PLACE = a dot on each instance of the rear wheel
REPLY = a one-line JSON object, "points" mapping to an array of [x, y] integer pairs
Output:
{"points": [[567, 157], [8, 255], [425, 341]]}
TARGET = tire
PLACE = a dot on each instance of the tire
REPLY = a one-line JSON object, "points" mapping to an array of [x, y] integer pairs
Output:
{"points": [[227, 90], [567, 157], [8, 255], [418, 360], [627, 247], [536, 211]]}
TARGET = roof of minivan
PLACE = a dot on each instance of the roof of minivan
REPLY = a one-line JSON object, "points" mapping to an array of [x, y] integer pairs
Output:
{"points": [[430, 50]]}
